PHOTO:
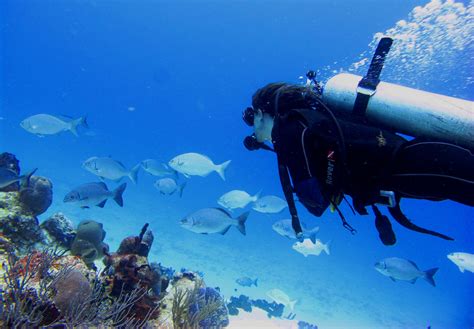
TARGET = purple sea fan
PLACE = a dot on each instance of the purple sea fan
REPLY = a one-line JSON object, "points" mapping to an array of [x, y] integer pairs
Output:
{"points": [[209, 304], [72, 289]]}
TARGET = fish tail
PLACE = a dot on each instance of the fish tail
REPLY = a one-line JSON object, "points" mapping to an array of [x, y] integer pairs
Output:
{"points": [[181, 188], [241, 222], [133, 174], [326, 248], [25, 179], [429, 274], [221, 169], [82, 121], [175, 174], [255, 282], [118, 194], [292, 304], [256, 196]]}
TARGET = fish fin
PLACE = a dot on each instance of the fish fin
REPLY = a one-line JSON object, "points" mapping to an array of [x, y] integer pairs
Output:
{"points": [[175, 174], [75, 123], [84, 122], [241, 222], [118, 194], [392, 278], [84, 207], [429, 274], [224, 211], [25, 179], [133, 174], [181, 188], [257, 196], [224, 231], [255, 282], [102, 204], [292, 304], [204, 233], [461, 269], [103, 185], [326, 247], [412, 281], [413, 263], [221, 169]]}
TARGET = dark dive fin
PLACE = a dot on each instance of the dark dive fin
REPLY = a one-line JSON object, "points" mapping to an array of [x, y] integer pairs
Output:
{"points": [[397, 214], [102, 204]]}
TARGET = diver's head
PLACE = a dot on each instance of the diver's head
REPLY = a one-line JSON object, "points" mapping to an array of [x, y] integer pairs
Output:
{"points": [[269, 102]]}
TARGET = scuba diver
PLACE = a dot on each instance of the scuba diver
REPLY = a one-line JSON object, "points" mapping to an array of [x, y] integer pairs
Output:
{"points": [[329, 155]]}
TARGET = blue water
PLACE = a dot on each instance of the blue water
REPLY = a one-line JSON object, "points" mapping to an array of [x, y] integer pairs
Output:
{"points": [[188, 68]]}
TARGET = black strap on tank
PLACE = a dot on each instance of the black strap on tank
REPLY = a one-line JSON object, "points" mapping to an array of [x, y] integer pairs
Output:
{"points": [[368, 85]]}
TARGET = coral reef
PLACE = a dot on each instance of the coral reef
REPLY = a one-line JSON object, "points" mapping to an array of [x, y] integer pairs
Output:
{"points": [[48, 289], [210, 307], [306, 325], [72, 288], [189, 304], [128, 269], [17, 223], [245, 303], [88, 243], [37, 194], [9, 161], [60, 230], [48, 277]]}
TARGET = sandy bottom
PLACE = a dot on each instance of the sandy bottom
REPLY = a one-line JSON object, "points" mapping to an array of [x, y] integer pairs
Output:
{"points": [[258, 319]]}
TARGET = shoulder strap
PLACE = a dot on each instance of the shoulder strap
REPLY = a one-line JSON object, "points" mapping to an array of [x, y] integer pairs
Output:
{"points": [[288, 191]]}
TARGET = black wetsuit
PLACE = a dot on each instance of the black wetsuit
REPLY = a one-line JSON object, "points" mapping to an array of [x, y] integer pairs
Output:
{"points": [[365, 161]]}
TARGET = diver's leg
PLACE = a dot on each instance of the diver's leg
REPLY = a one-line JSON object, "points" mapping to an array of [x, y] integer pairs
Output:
{"points": [[435, 171]]}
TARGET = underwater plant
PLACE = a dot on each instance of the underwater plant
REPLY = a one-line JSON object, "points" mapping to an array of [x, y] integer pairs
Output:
{"points": [[191, 307], [40, 291], [25, 292]]}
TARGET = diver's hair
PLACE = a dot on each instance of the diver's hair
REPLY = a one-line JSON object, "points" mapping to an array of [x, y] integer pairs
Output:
{"points": [[290, 97]]}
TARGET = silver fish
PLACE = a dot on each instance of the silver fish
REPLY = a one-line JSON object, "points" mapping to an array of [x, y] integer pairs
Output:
{"points": [[157, 168], [8, 176], [47, 124], [284, 228], [95, 194], [245, 281], [269, 204], [168, 186], [463, 261], [282, 298], [213, 220], [195, 164], [110, 169], [404, 270], [236, 199], [307, 247]]}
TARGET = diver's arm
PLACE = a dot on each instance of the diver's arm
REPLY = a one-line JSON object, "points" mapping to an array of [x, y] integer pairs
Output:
{"points": [[309, 188]]}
